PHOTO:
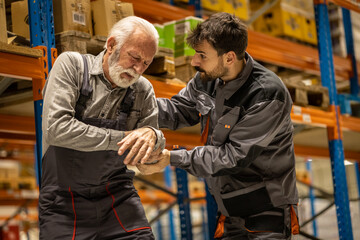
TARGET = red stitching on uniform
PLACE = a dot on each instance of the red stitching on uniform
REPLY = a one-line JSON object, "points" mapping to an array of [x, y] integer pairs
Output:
{"points": [[116, 215], [73, 205]]}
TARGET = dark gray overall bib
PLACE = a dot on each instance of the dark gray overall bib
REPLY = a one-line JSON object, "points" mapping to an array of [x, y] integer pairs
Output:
{"points": [[90, 195]]}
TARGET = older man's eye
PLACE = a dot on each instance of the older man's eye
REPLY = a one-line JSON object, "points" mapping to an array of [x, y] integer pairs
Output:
{"points": [[133, 57]]}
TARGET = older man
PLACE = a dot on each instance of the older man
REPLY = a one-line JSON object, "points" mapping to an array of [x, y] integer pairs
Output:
{"points": [[99, 115]]}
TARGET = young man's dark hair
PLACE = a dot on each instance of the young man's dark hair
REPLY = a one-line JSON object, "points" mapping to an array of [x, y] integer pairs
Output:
{"points": [[224, 32]]}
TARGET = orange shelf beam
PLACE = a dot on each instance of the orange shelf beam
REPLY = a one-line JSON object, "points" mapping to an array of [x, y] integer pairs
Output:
{"points": [[307, 151], [18, 197], [164, 89], [293, 55], [348, 4], [17, 124], [30, 67], [158, 12], [313, 117], [350, 123]]}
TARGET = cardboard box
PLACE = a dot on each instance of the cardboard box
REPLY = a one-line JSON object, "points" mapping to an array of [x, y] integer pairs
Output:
{"points": [[160, 30], [3, 26], [183, 29], [281, 20], [19, 18], [72, 15], [213, 5], [169, 35], [105, 13], [175, 34], [308, 26]]}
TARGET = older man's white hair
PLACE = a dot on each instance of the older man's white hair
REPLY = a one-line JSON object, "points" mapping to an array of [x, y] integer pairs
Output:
{"points": [[126, 26]]}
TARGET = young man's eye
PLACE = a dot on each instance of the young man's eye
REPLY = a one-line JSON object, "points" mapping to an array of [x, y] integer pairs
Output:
{"points": [[202, 56]]}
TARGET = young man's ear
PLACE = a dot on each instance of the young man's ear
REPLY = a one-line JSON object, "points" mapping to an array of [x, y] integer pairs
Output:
{"points": [[230, 57]]}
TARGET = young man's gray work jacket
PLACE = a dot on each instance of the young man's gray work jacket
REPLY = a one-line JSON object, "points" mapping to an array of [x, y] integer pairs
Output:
{"points": [[248, 160]]}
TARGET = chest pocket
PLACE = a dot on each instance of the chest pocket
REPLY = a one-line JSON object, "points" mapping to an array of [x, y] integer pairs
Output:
{"points": [[204, 104], [224, 126]]}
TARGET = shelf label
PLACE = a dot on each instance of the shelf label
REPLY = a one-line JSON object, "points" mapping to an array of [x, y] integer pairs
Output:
{"points": [[306, 118], [297, 110]]}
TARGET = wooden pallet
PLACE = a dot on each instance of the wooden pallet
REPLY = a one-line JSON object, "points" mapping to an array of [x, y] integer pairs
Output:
{"points": [[80, 42], [314, 95], [19, 183]]}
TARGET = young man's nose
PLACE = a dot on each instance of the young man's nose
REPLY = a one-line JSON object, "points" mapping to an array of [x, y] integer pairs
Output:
{"points": [[195, 61]]}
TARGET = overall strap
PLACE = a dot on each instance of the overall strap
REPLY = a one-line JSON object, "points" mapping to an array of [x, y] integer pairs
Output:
{"points": [[85, 92], [124, 109]]}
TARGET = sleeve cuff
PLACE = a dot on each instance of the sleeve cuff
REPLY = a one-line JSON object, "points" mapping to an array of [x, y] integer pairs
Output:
{"points": [[160, 140], [175, 158], [115, 137]]}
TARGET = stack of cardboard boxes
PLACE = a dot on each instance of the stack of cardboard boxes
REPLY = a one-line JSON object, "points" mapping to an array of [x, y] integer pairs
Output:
{"points": [[288, 18], [173, 46], [76, 21]]}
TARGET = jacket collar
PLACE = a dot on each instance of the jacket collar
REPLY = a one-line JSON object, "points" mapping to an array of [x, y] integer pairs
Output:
{"points": [[232, 86], [97, 68]]}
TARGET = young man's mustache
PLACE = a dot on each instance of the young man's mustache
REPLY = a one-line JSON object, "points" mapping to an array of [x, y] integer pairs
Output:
{"points": [[199, 69]]}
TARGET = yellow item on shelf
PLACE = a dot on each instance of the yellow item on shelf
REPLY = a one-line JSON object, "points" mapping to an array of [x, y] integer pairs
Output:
{"points": [[239, 8], [281, 20]]}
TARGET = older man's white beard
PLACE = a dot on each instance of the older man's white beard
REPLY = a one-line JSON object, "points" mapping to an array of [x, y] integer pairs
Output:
{"points": [[115, 72]]}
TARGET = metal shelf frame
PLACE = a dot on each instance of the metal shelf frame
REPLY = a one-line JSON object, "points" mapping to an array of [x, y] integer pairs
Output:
{"points": [[42, 35], [334, 132]]}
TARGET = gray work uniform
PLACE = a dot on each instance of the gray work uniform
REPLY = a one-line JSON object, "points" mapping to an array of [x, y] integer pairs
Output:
{"points": [[248, 161], [87, 192]]}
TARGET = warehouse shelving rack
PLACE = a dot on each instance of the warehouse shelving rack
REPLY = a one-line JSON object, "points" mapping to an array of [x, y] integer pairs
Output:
{"points": [[261, 47]]}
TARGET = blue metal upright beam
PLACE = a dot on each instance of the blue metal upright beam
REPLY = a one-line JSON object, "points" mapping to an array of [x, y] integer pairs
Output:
{"points": [[334, 134], [168, 183], [312, 196], [197, 7], [354, 81], [41, 22], [184, 205], [357, 172], [212, 208]]}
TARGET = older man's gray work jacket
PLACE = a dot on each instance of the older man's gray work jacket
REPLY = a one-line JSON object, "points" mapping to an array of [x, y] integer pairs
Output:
{"points": [[248, 159], [81, 131]]}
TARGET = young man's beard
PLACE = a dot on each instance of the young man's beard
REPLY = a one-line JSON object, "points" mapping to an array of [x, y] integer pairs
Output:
{"points": [[218, 72], [115, 72]]}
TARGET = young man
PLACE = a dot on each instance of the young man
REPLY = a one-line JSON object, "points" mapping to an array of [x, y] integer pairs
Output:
{"points": [[244, 110], [93, 105]]}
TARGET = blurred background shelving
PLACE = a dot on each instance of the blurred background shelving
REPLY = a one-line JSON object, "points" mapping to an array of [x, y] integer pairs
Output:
{"points": [[286, 45]]}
